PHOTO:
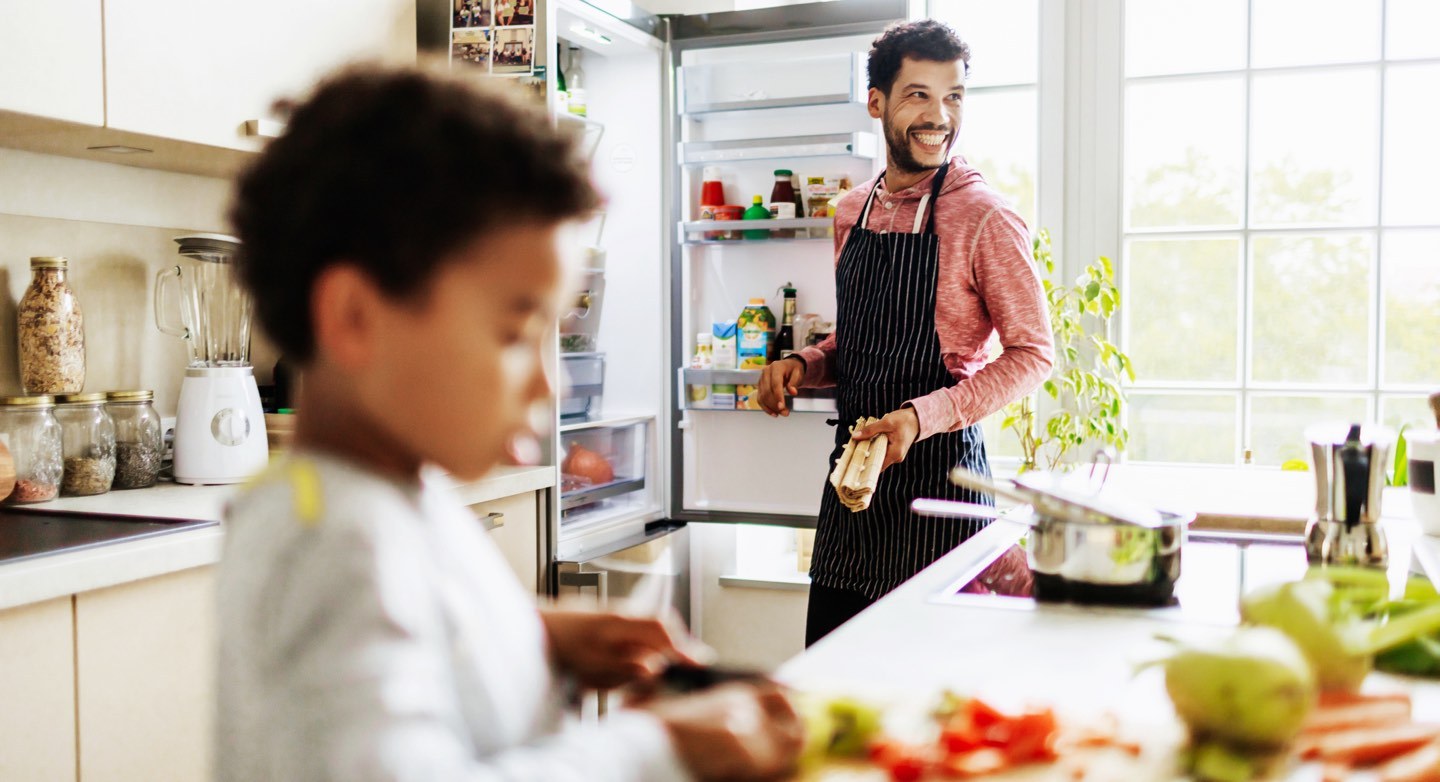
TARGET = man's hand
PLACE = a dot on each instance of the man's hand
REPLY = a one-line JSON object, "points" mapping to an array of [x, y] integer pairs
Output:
{"points": [[779, 379], [901, 427], [604, 651]]}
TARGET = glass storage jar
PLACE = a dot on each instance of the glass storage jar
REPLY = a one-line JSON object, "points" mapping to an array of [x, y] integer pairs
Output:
{"points": [[33, 436], [51, 331], [138, 440], [87, 437]]}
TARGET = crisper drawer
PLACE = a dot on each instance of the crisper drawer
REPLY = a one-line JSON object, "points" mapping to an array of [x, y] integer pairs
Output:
{"points": [[605, 471]]}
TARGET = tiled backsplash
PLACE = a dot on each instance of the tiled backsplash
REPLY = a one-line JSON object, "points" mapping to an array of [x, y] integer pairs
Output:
{"points": [[116, 225]]}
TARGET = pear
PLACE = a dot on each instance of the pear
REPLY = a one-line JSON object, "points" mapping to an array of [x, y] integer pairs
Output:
{"points": [[1252, 688], [1301, 610]]}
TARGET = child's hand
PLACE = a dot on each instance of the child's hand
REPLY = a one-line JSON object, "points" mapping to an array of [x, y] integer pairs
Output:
{"points": [[609, 650], [734, 731]]}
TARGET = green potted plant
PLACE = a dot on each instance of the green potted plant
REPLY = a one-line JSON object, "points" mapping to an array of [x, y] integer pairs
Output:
{"points": [[1086, 400]]}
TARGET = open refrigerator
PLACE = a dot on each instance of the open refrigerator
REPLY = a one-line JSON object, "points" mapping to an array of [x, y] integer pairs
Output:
{"points": [[747, 92]]}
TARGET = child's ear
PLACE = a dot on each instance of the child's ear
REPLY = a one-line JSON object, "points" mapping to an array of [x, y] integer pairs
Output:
{"points": [[344, 308]]}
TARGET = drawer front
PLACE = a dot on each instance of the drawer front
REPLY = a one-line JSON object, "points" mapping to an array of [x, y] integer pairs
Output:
{"points": [[514, 524]]}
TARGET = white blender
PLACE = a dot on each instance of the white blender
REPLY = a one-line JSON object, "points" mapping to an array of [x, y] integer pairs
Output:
{"points": [[219, 425]]}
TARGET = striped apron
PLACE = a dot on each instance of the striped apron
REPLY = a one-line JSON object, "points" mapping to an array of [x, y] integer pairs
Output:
{"points": [[887, 353]]}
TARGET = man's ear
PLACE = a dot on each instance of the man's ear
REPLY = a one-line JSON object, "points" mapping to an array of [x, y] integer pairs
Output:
{"points": [[876, 103], [345, 312]]}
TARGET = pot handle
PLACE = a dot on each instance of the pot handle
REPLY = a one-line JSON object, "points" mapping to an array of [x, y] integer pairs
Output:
{"points": [[162, 278]]}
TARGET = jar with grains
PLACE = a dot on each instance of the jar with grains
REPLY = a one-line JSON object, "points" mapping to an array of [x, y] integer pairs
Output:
{"points": [[28, 424], [87, 437], [51, 331], [139, 442]]}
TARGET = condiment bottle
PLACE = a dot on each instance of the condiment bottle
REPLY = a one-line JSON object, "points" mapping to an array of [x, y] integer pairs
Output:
{"points": [[704, 358], [139, 443], [757, 211], [34, 435], [712, 197], [51, 331], [782, 201], [87, 437]]}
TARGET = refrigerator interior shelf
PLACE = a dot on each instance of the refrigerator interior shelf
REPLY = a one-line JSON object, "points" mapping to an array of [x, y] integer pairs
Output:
{"points": [[859, 145], [606, 423], [590, 494]]}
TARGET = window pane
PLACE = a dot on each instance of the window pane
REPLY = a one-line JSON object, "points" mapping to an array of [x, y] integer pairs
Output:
{"points": [[1004, 37], [1277, 423], [1311, 306], [999, 443], [1410, 283], [1410, 27], [998, 136], [1409, 410], [1185, 152], [1304, 32], [1182, 309], [1213, 36], [1412, 155], [1313, 154], [1182, 428]]}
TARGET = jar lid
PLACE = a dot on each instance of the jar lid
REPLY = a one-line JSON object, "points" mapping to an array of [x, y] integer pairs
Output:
{"points": [[39, 400], [49, 262], [130, 396], [80, 399]]}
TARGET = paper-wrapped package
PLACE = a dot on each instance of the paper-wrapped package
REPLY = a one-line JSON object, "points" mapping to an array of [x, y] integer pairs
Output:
{"points": [[857, 471]]}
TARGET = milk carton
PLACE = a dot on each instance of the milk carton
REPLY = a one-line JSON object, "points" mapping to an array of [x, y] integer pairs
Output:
{"points": [[725, 344]]}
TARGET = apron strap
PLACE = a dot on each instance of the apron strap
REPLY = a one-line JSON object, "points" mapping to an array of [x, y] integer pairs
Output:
{"points": [[934, 196], [870, 199]]}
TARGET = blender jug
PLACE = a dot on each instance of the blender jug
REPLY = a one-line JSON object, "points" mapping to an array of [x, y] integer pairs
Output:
{"points": [[1350, 463], [214, 308]]}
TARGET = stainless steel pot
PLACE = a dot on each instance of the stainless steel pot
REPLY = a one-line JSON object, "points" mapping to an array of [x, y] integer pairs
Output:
{"points": [[1085, 546]]}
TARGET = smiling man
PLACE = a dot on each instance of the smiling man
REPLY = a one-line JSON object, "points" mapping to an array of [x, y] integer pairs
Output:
{"points": [[930, 261]]}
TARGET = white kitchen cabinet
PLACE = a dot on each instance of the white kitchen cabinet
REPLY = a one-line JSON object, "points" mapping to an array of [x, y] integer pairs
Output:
{"points": [[50, 60], [198, 70], [144, 674], [37, 666], [514, 525]]}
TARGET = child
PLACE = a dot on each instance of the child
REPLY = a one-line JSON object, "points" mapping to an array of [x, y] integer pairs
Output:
{"points": [[401, 241]]}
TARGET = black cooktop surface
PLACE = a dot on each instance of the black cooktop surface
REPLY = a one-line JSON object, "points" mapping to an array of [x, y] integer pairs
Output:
{"points": [[24, 535]]}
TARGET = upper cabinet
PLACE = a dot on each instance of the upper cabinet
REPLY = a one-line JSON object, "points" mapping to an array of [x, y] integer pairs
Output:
{"points": [[198, 70], [50, 59]]}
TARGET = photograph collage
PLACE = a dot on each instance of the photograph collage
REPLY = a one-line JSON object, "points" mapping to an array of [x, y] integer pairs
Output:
{"points": [[497, 36]]}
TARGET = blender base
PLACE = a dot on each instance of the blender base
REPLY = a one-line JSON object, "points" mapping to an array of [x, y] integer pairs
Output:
{"points": [[219, 427]]}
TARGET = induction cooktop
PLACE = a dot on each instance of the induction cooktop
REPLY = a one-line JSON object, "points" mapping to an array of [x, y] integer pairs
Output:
{"points": [[25, 535]]}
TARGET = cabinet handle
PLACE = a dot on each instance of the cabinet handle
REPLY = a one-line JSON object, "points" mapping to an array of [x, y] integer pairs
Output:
{"points": [[264, 128], [492, 520]]}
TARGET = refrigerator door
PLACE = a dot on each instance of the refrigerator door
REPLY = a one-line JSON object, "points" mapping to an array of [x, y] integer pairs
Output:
{"points": [[646, 574]]}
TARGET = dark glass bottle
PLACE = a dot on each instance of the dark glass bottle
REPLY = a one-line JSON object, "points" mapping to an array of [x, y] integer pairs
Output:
{"points": [[785, 339]]}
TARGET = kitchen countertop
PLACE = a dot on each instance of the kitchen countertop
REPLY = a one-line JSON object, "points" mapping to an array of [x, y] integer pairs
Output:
{"points": [[124, 536], [908, 647]]}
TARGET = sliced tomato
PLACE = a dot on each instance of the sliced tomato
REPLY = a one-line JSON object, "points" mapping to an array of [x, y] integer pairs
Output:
{"points": [[906, 768]]}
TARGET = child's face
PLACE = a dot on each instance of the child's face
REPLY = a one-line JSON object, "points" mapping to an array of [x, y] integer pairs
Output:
{"points": [[460, 371]]}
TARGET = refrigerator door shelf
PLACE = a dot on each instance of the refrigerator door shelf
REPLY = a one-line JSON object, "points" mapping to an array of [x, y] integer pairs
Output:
{"points": [[858, 145], [809, 229], [742, 85]]}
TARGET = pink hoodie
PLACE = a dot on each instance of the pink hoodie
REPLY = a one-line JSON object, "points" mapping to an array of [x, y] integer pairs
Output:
{"points": [[987, 284]]}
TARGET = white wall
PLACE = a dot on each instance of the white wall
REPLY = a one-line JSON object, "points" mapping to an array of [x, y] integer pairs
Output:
{"points": [[115, 224]]}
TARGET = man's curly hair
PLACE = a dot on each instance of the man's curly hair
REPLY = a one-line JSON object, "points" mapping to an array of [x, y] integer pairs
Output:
{"points": [[392, 170], [926, 39]]}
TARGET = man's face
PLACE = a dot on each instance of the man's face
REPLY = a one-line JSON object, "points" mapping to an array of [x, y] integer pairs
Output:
{"points": [[921, 115], [462, 368]]}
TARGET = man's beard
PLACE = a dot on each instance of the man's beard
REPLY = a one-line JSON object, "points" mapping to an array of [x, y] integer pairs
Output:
{"points": [[898, 143]]}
